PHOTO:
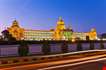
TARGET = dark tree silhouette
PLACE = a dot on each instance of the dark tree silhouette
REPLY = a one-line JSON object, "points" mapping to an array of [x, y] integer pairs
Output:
{"points": [[87, 38], [7, 36], [103, 35]]}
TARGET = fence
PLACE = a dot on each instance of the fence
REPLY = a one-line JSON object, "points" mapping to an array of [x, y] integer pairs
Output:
{"points": [[42, 48]]}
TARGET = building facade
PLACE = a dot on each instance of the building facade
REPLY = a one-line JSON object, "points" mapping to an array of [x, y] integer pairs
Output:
{"points": [[16, 31], [38, 35], [59, 33]]}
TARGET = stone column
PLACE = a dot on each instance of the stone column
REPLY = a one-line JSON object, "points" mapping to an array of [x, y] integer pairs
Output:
{"points": [[46, 48], [64, 47]]}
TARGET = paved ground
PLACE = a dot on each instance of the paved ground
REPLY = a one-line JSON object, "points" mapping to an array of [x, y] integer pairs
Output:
{"points": [[79, 64], [75, 62]]}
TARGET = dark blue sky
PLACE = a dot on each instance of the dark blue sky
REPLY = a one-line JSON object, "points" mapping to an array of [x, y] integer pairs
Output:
{"points": [[82, 15]]}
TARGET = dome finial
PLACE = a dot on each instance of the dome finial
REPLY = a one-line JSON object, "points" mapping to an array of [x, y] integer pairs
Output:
{"points": [[60, 18], [15, 23]]}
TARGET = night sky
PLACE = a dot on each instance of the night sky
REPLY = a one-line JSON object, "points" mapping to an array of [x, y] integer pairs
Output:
{"points": [[81, 15]]}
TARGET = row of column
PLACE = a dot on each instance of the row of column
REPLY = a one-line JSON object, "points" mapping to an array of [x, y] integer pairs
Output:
{"points": [[46, 48]]}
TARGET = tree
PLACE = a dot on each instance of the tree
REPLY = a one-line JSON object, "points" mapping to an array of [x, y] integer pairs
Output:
{"points": [[79, 46], [46, 47], [23, 49], [87, 38], [7, 36], [103, 35], [64, 47]]}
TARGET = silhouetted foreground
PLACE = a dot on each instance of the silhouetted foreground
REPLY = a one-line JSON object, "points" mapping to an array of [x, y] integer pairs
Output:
{"points": [[25, 48]]}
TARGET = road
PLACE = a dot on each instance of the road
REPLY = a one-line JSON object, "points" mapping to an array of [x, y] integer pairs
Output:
{"points": [[78, 62]]}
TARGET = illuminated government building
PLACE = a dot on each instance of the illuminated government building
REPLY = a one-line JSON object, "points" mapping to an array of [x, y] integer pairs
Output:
{"points": [[59, 33]]}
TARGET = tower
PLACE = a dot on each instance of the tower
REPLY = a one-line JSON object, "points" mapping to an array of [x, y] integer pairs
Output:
{"points": [[15, 30], [60, 24], [15, 24], [93, 34], [60, 27]]}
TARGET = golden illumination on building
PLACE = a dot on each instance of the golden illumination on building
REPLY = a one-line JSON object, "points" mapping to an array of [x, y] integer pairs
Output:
{"points": [[15, 30], [59, 33], [93, 34], [60, 27], [38, 35]]}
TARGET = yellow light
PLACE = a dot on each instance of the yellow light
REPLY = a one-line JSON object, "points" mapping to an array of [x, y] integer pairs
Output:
{"points": [[73, 40]]}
